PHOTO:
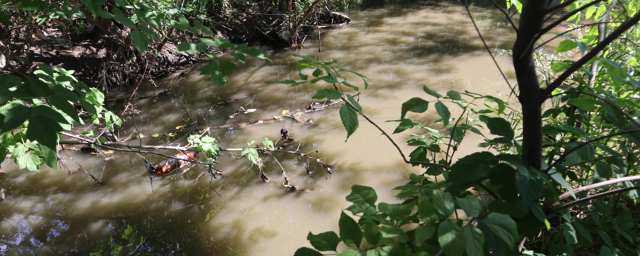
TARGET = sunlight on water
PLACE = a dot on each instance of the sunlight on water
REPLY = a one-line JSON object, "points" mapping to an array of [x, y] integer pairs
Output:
{"points": [[400, 50]]}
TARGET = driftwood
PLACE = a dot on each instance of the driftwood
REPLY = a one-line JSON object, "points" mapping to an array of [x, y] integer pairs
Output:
{"points": [[299, 116]]}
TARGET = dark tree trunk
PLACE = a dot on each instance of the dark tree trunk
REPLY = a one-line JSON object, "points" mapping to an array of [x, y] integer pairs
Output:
{"points": [[531, 96]]}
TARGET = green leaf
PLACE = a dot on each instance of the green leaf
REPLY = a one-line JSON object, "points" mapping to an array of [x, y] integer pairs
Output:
{"points": [[219, 78], [583, 232], [371, 232], [257, 53], [424, 232], [305, 251], [417, 105], [188, 47], [122, 19], [569, 234], [327, 94], [451, 239], [431, 92], [7, 83], [404, 125], [317, 72], [566, 45], [454, 95], [63, 105], [503, 226], [240, 57], [444, 113], [606, 251], [350, 252], [182, 24], [362, 194], [150, 33], [470, 169], [349, 119], [470, 204], [15, 114], [349, 231], [327, 241], [443, 202], [43, 125], [474, 240], [558, 178], [585, 104], [49, 155], [354, 103], [528, 184], [140, 41], [227, 66], [427, 211], [396, 211], [209, 69], [5, 19], [499, 126]]}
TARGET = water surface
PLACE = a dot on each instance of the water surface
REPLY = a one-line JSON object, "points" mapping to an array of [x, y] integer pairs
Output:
{"points": [[399, 49]]}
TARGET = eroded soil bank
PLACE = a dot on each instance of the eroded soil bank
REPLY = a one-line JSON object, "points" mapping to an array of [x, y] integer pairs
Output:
{"points": [[104, 56]]}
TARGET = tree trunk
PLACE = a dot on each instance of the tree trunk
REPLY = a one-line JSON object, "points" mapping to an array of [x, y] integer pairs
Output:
{"points": [[531, 96]]}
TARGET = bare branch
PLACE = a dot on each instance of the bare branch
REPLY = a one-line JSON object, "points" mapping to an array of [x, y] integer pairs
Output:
{"points": [[490, 54], [546, 93], [610, 103], [565, 17], [505, 14], [584, 144], [567, 31], [560, 6], [388, 137], [581, 200]]}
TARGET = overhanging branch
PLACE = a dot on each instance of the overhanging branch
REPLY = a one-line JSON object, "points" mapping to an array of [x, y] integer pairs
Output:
{"points": [[599, 47], [565, 17], [563, 156]]}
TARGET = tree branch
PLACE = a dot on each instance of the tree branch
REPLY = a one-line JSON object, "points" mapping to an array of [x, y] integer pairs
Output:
{"points": [[505, 14], [584, 144], [560, 6], [388, 137], [608, 102], [565, 17], [489, 51], [599, 47], [615, 191]]}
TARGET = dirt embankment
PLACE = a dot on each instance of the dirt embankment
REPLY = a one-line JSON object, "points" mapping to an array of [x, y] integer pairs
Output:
{"points": [[104, 56]]}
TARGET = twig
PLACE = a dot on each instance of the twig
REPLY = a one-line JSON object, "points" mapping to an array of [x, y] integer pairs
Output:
{"points": [[505, 14], [563, 18], [489, 51], [584, 144], [389, 137], [611, 192], [608, 102], [546, 92]]}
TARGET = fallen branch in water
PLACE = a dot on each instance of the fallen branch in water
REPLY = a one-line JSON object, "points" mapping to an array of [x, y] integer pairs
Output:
{"points": [[148, 149], [299, 115]]}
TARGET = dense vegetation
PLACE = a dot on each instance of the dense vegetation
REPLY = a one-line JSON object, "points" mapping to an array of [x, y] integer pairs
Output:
{"points": [[559, 175], [557, 178]]}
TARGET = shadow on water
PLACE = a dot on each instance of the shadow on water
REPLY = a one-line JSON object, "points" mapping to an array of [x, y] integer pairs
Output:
{"points": [[400, 49]]}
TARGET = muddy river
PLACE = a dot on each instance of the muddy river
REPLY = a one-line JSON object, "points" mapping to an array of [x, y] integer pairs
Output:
{"points": [[398, 49]]}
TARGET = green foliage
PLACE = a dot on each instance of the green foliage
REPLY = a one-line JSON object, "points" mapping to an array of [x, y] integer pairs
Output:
{"points": [[330, 72], [491, 200], [36, 111]]}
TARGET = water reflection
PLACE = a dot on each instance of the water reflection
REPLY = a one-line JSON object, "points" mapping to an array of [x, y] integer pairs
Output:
{"points": [[52, 212]]}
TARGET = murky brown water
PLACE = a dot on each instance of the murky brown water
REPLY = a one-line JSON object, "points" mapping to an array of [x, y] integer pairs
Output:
{"points": [[52, 212]]}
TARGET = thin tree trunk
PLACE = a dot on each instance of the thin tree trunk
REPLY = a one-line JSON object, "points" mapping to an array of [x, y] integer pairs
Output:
{"points": [[531, 96]]}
